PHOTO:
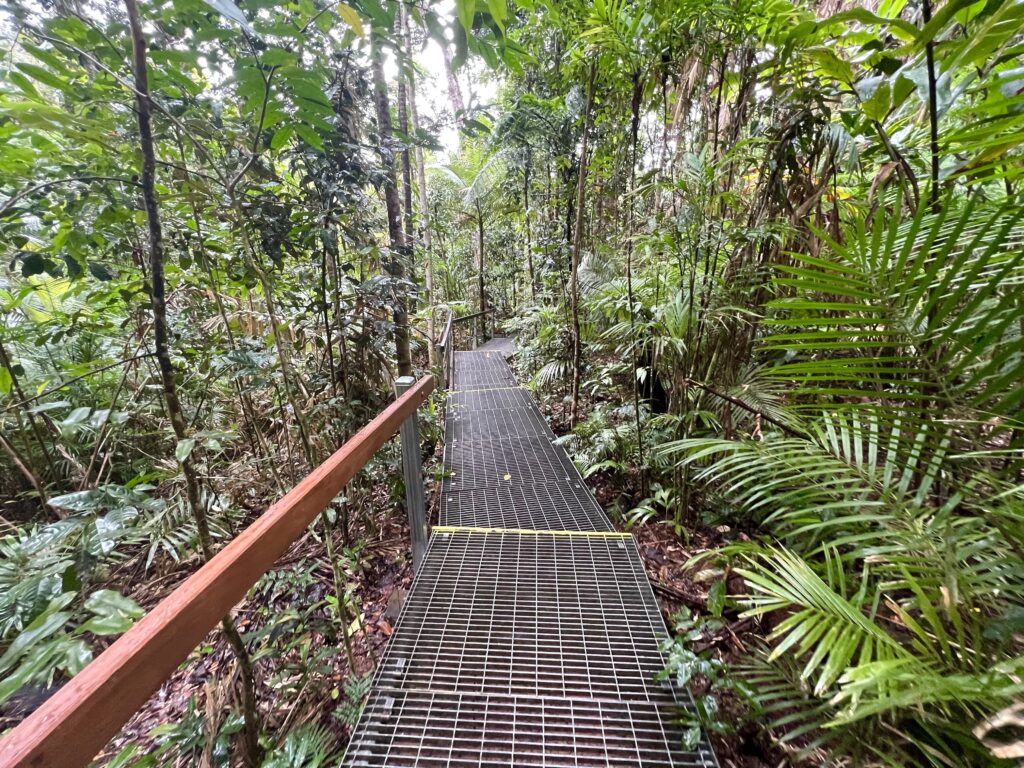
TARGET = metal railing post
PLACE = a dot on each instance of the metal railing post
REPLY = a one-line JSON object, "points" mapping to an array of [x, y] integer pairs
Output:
{"points": [[439, 356], [445, 347], [412, 471]]}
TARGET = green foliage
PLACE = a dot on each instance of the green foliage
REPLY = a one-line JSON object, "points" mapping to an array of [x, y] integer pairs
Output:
{"points": [[900, 514], [52, 643], [604, 440], [658, 504], [799, 312], [687, 666], [308, 746], [810, 281], [356, 690], [281, 317]]}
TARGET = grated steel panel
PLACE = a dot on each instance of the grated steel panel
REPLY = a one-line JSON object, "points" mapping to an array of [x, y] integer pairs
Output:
{"points": [[478, 357], [526, 649], [476, 362], [503, 345], [495, 424], [564, 506], [483, 379], [489, 400], [403, 729], [537, 614], [512, 461], [486, 365], [531, 636], [482, 370]]}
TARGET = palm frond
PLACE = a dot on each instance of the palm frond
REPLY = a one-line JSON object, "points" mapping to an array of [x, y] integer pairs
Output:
{"points": [[913, 310]]}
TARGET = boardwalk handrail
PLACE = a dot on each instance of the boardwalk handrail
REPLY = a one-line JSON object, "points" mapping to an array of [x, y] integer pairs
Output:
{"points": [[446, 350], [476, 327], [70, 728], [474, 316]]}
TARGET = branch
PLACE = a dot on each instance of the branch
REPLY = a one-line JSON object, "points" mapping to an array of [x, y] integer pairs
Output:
{"points": [[749, 409], [11, 202], [254, 152], [69, 382], [23, 467], [198, 145]]}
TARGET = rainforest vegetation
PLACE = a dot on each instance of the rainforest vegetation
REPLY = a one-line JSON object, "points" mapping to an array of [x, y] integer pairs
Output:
{"points": [[763, 260]]}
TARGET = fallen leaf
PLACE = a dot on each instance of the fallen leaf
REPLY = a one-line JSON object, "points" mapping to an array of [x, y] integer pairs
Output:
{"points": [[508, 477]]}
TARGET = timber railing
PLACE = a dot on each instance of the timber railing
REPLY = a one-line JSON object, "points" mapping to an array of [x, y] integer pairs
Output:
{"points": [[446, 344], [70, 728], [446, 350]]}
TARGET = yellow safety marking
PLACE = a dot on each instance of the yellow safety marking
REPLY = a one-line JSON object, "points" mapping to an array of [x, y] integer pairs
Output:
{"points": [[531, 532]]}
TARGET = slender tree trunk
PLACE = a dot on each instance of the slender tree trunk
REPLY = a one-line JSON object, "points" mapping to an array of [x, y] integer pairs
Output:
{"points": [[424, 210], [37, 433], [480, 265], [251, 751], [577, 248], [289, 379], [933, 109], [634, 130], [403, 126], [454, 90], [392, 204], [247, 406], [526, 223], [325, 308], [22, 464]]}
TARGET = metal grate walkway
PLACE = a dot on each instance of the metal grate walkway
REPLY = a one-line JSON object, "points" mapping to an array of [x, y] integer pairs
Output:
{"points": [[530, 636]]}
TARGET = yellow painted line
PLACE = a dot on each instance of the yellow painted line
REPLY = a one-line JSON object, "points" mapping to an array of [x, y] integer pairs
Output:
{"points": [[531, 532]]}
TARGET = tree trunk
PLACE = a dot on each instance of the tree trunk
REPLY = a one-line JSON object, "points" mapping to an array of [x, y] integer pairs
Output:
{"points": [[251, 752], [577, 248], [634, 131], [526, 221], [480, 264], [393, 206], [403, 126], [23, 405], [424, 210], [454, 90]]}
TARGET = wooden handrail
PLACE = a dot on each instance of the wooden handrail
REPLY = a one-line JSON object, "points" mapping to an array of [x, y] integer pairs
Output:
{"points": [[474, 315], [77, 722], [446, 334]]}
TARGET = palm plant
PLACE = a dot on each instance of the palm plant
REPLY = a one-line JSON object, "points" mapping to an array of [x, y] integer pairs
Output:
{"points": [[893, 567], [475, 176]]}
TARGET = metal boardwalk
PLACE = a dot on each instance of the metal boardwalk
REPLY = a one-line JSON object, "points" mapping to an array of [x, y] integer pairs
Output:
{"points": [[531, 636]]}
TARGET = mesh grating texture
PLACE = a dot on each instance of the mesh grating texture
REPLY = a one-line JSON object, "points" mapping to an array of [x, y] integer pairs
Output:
{"points": [[422, 728], [533, 614], [483, 379], [484, 425], [489, 400], [531, 636], [519, 461], [478, 359], [564, 506], [503, 345], [526, 649], [482, 370]]}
